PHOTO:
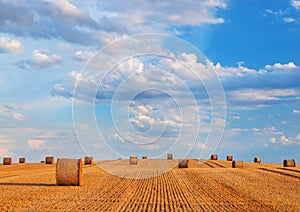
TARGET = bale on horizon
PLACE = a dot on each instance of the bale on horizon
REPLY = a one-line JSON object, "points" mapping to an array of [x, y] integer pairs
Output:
{"points": [[144, 157], [49, 160], [133, 160], [22, 160], [214, 157], [185, 163], [237, 164], [170, 156], [229, 158], [68, 172], [88, 160], [289, 163], [7, 161], [257, 160]]}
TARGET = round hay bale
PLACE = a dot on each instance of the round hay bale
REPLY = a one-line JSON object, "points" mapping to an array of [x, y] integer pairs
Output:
{"points": [[42, 161], [133, 160], [229, 158], [22, 160], [7, 161], [170, 156], [69, 172], [88, 160], [257, 160], [144, 157], [289, 163], [185, 163], [214, 157], [237, 164], [49, 160]]}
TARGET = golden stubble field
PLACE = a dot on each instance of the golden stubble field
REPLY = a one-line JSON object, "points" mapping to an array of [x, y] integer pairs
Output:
{"points": [[206, 186]]}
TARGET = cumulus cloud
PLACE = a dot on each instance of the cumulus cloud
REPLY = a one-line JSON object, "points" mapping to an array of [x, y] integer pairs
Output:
{"points": [[166, 13], [37, 143], [280, 66], [42, 59], [284, 140], [10, 45], [68, 20], [241, 84], [296, 4]]}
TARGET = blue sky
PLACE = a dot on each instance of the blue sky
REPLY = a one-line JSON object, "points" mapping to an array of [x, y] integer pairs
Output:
{"points": [[251, 47]]}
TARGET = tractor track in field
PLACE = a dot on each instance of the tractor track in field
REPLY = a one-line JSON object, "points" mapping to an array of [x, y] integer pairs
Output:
{"points": [[286, 172]]}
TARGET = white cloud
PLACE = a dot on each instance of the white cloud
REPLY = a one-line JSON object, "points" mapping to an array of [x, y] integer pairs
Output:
{"points": [[82, 56], [296, 112], [42, 59], [284, 140], [280, 66], [65, 8], [10, 112], [102, 21], [296, 4], [18, 116], [257, 95], [235, 117], [37, 143], [10, 45], [232, 71], [289, 20], [176, 13], [273, 140], [298, 136], [277, 13]]}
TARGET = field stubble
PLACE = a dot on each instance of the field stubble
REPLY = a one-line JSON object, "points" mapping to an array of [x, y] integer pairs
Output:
{"points": [[206, 186]]}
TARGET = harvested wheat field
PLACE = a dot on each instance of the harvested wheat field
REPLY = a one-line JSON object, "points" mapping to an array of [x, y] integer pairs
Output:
{"points": [[205, 186]]}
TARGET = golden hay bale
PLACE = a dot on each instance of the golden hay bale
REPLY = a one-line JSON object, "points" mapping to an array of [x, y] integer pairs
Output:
{"points": [[185, 163], [133, 160], [144, 157], [42, 161], [88, 160], [214, 157], [229, 158], [289, 163], [22, 160], [170, 156], [237, 164], [69, 172], [7, 161], [49, 160], [257, 160]]}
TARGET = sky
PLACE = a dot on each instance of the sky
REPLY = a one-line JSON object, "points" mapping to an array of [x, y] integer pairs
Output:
{"points": [[114, 79]]}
